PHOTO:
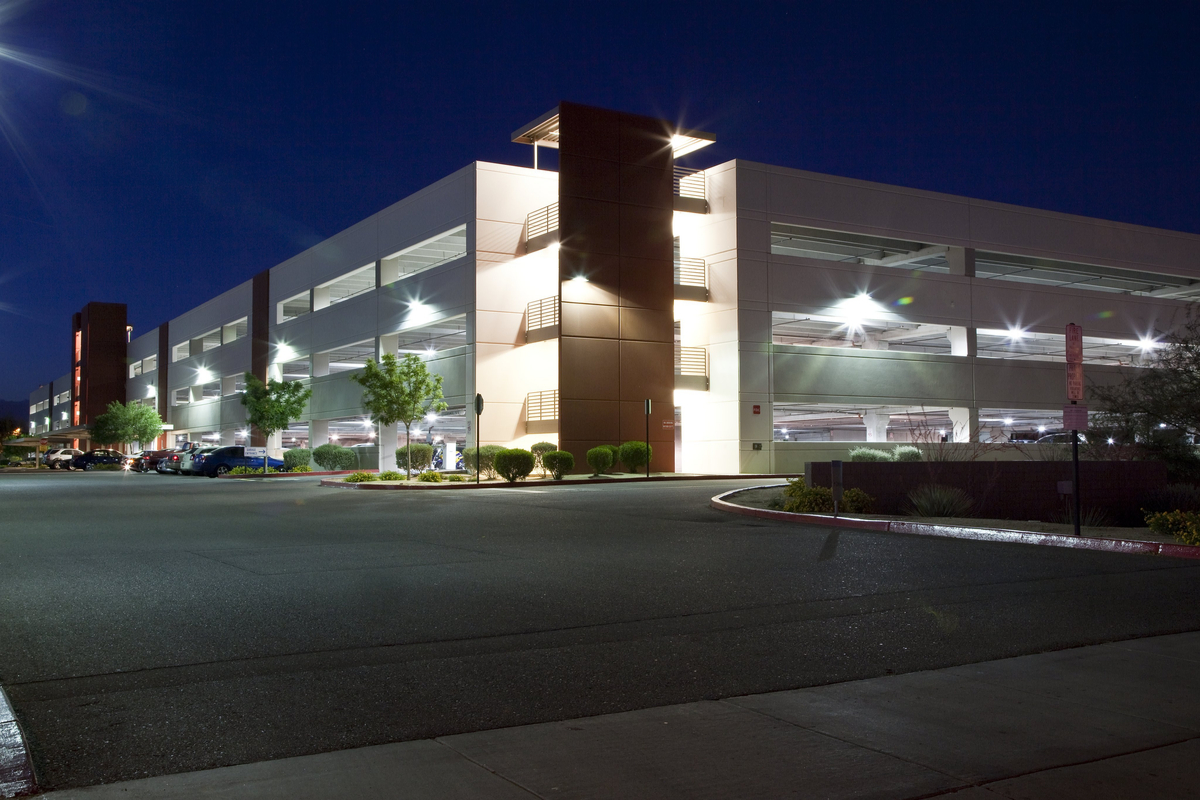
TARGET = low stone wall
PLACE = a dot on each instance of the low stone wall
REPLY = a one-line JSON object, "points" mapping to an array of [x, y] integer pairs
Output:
{"points": [[1021, 490]]}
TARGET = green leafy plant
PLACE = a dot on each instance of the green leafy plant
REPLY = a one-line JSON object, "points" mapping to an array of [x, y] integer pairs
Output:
{"points": [[455, 477], [939, 500], [540, 449], [1183, 525], [360, 477], [400, 391], [615, 450], [422, 456], [430, 477], [296, 457], [869, 454], [559, 462], [333, 457], [273, 405], [485, 457], [1089, 517], [391, 475], [514, 464], [124, 423], [599, 459], [636, 455], [108, 467], [301, 468], [250, 471], [906, 452], [801, 499]]}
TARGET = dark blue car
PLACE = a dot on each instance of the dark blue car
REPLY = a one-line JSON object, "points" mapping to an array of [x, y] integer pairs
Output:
{"points": [[93, 457], [225, 459]]}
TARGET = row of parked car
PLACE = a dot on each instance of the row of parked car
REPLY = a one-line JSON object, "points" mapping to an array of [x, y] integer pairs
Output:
{"points": [[188, 459]]}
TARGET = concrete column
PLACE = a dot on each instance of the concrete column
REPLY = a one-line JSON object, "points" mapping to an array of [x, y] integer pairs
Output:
{"points": [[275, 445], [961, 260], [965, 422], [229, 386], [876, 422], [389, 271], [197, 393], [320, 298], [385, 436], [871, 341], [320, 364], [228, 437], [387, 344], [963, 341], [318, 433], [275, 372], [449, 456]]}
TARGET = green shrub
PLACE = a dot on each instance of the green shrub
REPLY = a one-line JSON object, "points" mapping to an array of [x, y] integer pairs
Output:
{"points": [[539, 450], [869, 454], [1173, 497], [456, 477], [559, 462], [801, 499], [1183, 525], [938, 500], [296, 457], [635, 455], [616, 457], [108, 467], [429, 476], [301, 468], [906, 452], [487, 459], [422, 456], [391, 475], [514, 464], [360, 477], [599, 459], [333, 457], [251, 471]]}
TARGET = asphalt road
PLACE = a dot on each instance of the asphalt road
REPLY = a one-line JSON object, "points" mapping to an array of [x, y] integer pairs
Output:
{"points": [[156, 624]]}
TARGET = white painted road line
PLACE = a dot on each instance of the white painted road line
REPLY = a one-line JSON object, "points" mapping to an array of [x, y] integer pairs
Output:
{"points": [[16, 770]]}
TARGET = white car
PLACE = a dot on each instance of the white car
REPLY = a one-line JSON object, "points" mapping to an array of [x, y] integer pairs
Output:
{"points": [[60, 457]]}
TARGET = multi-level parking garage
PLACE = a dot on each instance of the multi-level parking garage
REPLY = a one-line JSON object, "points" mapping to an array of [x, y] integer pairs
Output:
{"points": [[768, 313]]}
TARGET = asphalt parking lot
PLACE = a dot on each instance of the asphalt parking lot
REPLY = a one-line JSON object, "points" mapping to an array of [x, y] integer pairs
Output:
{"points": [[155, 624]]}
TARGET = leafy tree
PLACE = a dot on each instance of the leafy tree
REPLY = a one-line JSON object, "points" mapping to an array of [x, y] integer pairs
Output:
{"points": [[127, 422], [272, 406], [400, 391], [1156, 411]]}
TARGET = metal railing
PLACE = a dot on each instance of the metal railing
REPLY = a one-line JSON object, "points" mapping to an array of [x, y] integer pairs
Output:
{"points": [[541, 313], [541, 406], [688, 182], [541, 222], [691, 272], [691, 361]]}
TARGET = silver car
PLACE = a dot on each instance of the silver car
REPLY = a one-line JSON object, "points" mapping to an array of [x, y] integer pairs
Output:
{"points": [[185, 459]]}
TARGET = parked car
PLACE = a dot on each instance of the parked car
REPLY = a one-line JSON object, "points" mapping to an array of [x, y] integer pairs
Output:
{"points": [[149, 459], [60, 457], [1061, 437], [187, 460], [224, 459], [92, 458], [135, 462]]}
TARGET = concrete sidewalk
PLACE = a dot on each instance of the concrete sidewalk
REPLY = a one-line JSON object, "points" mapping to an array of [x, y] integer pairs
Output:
{"points": [[1117, 720]]}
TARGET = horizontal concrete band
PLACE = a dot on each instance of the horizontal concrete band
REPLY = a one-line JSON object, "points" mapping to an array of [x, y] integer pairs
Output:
{"points": [[16, 770], [470, 484], [1133, 546]]}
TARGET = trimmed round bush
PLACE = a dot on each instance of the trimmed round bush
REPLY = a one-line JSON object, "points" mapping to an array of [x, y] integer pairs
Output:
{"points": [[514, 464], [636, 455], [455, 477], [333, 457], [906, 452], [616, 457], [301, 468], [559, 462], [422, 456], [869, 454], [429, 477], [487, 459], [539, 450], [938, 500], [599, 459], [801, 499], [296, 457], [360, 477], [391, 475]]}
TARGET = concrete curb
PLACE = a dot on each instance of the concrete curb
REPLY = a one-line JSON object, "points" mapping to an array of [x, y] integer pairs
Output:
{"points": [[415, 486], [16, 768], [1131, 546]]}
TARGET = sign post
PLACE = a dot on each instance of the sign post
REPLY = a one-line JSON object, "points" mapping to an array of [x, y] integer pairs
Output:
{"points": [[478, 438], [255, 452], [1075, 415], [647, 437]]}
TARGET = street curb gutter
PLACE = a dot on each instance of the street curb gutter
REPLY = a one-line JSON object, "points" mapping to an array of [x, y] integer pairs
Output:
{"points": [[418, 486], [16, 768], [1131, 546]]}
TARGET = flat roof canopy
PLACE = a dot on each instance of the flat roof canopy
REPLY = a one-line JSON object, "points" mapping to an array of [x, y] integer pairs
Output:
{"points": [[543, 131]]}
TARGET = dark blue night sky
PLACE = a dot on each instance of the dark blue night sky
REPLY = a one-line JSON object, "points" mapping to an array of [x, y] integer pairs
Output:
{"points": [[158, 153]]}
